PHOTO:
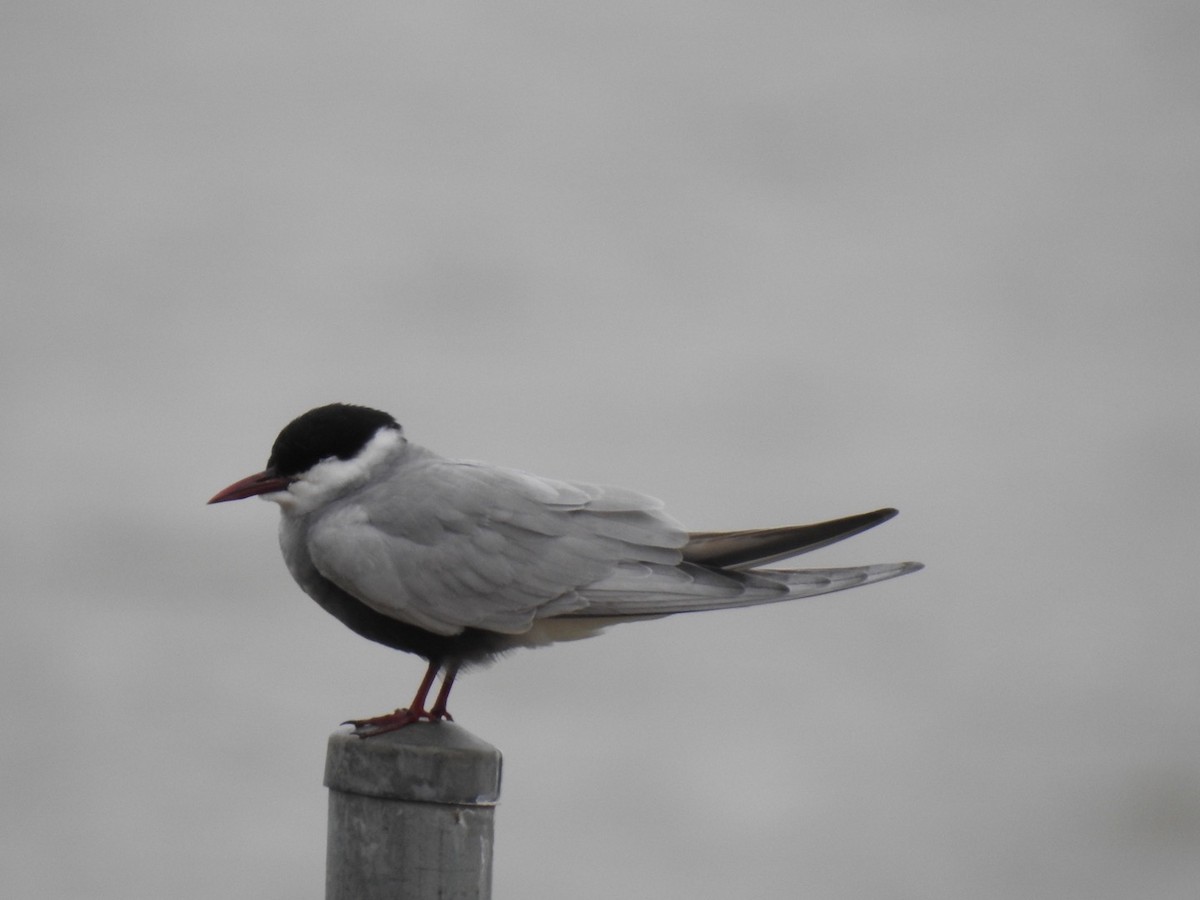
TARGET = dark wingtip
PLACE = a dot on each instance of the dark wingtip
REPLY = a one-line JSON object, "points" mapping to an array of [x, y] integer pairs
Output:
{"points": [[759, 546]]}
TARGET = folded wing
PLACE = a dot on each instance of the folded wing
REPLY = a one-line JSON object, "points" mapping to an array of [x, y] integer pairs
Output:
{"points": [[448, 545], [451, 545]]}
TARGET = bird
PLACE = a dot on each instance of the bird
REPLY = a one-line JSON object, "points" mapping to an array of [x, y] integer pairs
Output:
{"points": [[459, 561]]}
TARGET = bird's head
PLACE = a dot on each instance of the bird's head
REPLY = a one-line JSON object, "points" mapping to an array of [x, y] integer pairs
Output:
{"points": [[320, 454]]}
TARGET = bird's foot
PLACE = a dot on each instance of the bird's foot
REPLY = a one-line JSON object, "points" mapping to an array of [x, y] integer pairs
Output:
{"points": [[394, 721]]}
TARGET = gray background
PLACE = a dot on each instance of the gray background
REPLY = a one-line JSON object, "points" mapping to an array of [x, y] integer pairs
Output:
{"points": [[770, 262]]}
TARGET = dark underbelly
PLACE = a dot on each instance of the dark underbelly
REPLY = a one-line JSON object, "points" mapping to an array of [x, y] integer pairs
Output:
{"points": [[471, 645]]}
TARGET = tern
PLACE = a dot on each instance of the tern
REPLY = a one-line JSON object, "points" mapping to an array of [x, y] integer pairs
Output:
{"points": [[459, 561]]}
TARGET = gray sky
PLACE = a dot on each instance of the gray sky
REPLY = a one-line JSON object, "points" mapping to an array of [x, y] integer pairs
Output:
{"points": [[771, 263]]}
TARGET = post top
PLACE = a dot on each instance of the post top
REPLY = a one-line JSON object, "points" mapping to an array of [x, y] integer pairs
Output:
{"points": [[428, 762]]}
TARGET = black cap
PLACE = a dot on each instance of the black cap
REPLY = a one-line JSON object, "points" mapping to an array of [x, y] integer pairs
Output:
{"points": [[337, 430]]}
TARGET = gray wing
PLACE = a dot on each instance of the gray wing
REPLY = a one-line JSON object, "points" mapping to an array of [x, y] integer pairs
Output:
{"points": [[446, 545]]}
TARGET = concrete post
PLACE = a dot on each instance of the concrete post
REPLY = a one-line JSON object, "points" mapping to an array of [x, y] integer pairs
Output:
{"points": [[410, 814]]}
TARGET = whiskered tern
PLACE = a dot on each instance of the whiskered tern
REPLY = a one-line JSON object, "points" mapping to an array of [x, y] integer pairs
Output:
{"points": [[460, 561]]}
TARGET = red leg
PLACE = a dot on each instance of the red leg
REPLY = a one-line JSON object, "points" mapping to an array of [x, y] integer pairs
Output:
{"points": [[439, 710], [416, 711]]}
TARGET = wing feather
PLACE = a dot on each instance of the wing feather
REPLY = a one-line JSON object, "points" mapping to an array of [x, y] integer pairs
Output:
{"points": [[758, 546], [446, 545]]}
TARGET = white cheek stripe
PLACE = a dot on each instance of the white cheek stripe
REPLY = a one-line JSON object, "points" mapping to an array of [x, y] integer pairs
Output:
{"points": [[332, 476]]}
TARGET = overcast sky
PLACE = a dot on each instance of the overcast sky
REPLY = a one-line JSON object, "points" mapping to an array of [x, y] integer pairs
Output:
{"points": [[769, 262]]}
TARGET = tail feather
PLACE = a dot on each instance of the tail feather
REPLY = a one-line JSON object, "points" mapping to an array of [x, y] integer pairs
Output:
{"points": [[664, 590], [718, 572]]}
